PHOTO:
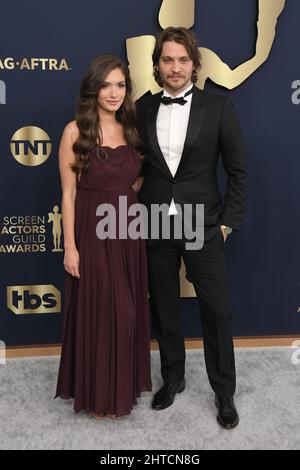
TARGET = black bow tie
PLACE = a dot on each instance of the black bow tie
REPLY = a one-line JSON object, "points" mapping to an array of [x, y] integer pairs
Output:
{"points": [[181, 100]]}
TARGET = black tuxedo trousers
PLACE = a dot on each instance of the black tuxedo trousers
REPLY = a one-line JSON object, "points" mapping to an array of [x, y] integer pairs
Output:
{"points": [[206, 269]]}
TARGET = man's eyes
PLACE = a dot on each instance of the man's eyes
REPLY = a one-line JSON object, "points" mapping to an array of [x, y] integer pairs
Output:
{"points": [[183, 60]]}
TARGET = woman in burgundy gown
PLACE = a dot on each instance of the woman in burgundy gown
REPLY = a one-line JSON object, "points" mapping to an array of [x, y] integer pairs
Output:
{"points": [[105, 360]]}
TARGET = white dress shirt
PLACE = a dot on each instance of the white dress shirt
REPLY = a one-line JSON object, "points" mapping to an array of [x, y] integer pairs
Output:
{"points": [[171, 128]]}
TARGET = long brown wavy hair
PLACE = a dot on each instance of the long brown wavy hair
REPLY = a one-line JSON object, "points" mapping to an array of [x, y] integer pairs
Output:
{"points": [[183, 36], [87, 112]]}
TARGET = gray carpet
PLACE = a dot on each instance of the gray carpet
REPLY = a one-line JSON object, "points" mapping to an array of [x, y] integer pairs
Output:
{"points": [[267, 398]]}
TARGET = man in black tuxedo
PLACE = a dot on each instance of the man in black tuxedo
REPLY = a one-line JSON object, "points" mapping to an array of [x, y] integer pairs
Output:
{"points": [[184, 130]]}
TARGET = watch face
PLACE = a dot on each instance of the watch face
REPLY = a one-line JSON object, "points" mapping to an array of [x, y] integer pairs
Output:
{"points": [[228, 230]]}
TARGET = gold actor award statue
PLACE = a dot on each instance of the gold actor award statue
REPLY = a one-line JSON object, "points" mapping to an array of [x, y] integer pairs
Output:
{"points": [[55, 218], [182, 13]]}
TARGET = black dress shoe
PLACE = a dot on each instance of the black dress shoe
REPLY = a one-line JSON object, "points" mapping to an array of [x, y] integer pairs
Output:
{"points": [[166, 395], [227, 416]]}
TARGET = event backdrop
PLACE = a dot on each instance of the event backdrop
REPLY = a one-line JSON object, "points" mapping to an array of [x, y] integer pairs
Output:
{"points": [[45, 48]]}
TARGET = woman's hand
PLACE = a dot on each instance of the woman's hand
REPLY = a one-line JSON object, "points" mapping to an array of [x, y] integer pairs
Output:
{"points": [[138, 184], [71, 262]]}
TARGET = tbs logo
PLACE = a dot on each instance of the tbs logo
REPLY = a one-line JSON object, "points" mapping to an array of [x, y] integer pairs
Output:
{"points": [[33, 299]]}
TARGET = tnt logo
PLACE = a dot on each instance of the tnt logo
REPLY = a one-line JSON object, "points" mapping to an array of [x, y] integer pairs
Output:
{"points": [[30, 146], [33, 299], [2, 92]]}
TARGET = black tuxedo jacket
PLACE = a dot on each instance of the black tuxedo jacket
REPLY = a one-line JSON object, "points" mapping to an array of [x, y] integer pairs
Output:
{"points": [[213, 130]]}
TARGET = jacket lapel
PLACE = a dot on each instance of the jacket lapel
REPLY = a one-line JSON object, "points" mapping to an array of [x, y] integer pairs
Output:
{"points": [[152, 134], [194, 125]]}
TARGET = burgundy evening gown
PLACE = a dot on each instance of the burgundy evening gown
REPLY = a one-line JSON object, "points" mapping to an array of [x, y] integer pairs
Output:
{"points": [[105, 360]]}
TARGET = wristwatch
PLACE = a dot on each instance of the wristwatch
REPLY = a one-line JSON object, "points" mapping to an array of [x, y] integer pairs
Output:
{"points": [[226, 229]]}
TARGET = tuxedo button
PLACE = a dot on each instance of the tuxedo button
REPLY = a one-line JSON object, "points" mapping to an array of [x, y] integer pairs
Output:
{"points": [[174, 181]]}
